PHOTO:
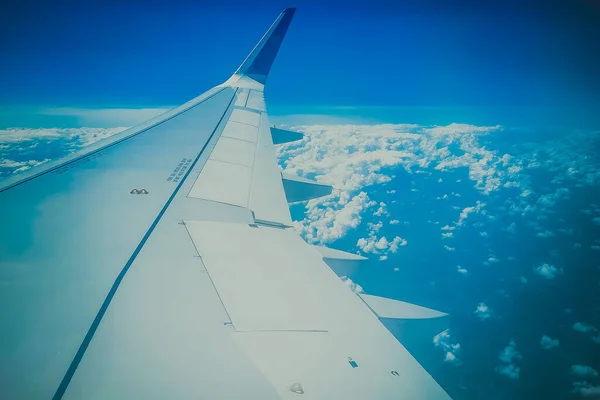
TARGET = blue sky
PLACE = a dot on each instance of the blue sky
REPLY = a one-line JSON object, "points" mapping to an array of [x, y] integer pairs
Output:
{"points": [[370, 53]]}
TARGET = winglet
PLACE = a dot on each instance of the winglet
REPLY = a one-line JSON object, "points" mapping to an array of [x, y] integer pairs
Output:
{"points": [[258, 63]]}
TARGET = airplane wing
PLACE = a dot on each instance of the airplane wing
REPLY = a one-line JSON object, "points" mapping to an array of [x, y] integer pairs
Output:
{"points": [[161, 263]]}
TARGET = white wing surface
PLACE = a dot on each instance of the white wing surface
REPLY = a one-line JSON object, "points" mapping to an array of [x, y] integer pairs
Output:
{"points": [[160, 263]]}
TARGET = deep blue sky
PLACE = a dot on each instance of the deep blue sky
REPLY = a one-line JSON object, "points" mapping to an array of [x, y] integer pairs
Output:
{"points": [[425, 53]]}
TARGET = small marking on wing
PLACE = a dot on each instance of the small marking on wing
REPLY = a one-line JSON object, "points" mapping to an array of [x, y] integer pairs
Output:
{"points": [[352, 363], [297, 388], [179, 170], [139, 191]]}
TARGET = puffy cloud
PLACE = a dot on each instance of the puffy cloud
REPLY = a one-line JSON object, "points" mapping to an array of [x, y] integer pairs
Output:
{"points": [[545, 234], [451, 350], [510, 353], [509, 370], [20, 166], [449, 248], [548, 271], [508, 357], [381, 211], [397, 242], [355, 287], [329, 223], [353, 157], [19, 147], [381, 245], [77, 137], [464, 214], [483, 312], [492, 259], [548, 343], [394, 222], [583, 328], [374, 227], [462, 270], [585, 389], [583, 371]]}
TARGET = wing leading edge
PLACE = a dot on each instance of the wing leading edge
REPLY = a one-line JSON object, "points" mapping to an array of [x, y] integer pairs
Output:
{"points": [[198, 288]]}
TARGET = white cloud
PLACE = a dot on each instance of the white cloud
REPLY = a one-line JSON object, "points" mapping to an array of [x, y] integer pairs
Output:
{"points": [[380, 246], [509, 370], [329, 223], [508, 357], [492, 259], [355, 287], [512, 227], [20, 166], [394, 222], [374, 227], [353, 157], [462, 270], [510, 353], [548, 343], [447, 235], [449, 248], [583, 371], [381, 211], [548, 271], [464, 214], [444, 340], [483, 312], [581, 327], [79, 136], [585, 389], [545, 234]]}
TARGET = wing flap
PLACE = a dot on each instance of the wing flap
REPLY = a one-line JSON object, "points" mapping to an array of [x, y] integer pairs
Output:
{"points": [[252, 266]]}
